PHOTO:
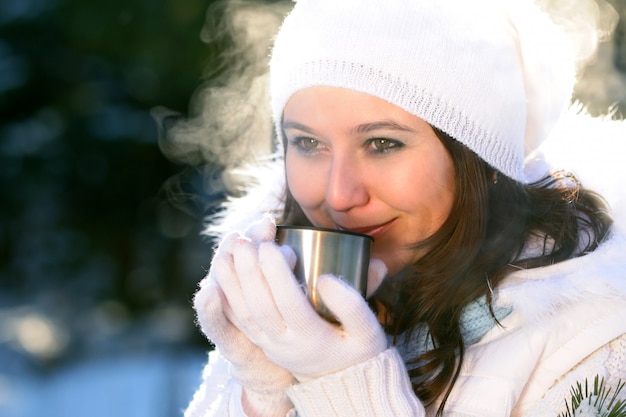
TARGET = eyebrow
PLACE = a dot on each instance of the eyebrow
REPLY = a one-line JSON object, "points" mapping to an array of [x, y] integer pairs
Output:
{"points": [[298, 126], [382, 125], [362, 128]]}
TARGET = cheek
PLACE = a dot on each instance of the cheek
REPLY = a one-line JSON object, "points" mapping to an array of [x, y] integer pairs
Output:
{"points": [[447, 185], [438, 191], [429, 198], [304, 182]]}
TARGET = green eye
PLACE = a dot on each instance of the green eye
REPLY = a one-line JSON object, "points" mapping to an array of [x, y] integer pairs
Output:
{"points": [[382, 144], [305, 145], [309, 143]]}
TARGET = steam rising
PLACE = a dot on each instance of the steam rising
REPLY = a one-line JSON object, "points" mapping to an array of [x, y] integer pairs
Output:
{"points": [[230, 123], [587, 22], [590, 24]]}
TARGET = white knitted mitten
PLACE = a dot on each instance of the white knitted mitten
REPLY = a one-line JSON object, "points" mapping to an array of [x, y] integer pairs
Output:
{"points": [[269, 307], [263, 382]]}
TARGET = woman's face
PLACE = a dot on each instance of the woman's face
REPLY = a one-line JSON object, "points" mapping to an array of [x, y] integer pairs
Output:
{"points": [[356, 162]]}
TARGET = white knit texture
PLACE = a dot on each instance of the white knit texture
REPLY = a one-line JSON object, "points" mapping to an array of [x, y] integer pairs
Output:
{"points": [[458, 65], [379, 387], [348, 393], [608, 362]]}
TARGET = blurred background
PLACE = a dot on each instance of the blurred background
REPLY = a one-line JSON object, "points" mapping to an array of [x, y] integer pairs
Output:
{"points": [[100, 246], [97, 265]]}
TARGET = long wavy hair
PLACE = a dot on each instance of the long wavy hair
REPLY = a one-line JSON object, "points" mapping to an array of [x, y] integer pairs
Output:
{"points": [[482, 240]]}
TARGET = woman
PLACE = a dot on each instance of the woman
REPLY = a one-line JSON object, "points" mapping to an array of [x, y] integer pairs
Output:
{"points": [[495, 288]]}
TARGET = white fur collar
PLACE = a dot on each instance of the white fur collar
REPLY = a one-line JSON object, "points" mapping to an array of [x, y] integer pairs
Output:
{"points": [[540, 292], [261, 192]]}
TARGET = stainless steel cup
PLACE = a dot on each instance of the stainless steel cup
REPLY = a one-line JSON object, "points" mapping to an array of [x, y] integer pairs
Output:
{"points": [[325, 251]]}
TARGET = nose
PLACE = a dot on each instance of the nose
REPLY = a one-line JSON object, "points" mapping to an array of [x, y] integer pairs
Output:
{"points": [[346, 187]]}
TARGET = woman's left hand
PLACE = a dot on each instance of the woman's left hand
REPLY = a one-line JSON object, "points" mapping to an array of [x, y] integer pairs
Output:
{"points": [[269, 307]]}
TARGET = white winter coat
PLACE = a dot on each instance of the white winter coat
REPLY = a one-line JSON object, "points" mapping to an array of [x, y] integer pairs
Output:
{"points": [[567, 325]]}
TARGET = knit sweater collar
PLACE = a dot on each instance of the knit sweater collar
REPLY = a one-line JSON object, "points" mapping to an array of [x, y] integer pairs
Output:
{"points": [[476, 320]]}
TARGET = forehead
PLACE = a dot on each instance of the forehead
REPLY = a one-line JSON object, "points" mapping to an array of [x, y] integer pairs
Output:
{"points": [[321, 102]]}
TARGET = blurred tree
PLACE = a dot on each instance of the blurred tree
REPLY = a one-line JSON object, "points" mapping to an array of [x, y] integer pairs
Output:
{"points": [[87, 235]]}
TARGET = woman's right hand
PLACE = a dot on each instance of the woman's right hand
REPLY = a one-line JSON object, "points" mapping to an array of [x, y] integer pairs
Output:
{"points": [[264, 383]]}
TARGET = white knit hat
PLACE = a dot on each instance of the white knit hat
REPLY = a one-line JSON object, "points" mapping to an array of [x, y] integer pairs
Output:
{"points": [[493, 74]]}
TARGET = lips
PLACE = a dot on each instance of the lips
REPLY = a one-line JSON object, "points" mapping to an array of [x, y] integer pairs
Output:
{"points": [[371, 230]]}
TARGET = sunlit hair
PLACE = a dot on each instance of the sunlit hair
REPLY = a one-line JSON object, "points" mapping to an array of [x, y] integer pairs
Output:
{"points": [[491, 220]]}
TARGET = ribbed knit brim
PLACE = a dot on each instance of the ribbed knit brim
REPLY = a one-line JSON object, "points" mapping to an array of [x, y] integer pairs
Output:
{"points": [[462, 66]]}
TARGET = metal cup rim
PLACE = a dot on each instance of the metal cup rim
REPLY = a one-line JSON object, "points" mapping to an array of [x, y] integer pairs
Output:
{"points": [[323, 229]]}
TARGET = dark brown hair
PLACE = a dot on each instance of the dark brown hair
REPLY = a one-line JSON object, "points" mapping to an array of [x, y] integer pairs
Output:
{"points": [[482, 240]]}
